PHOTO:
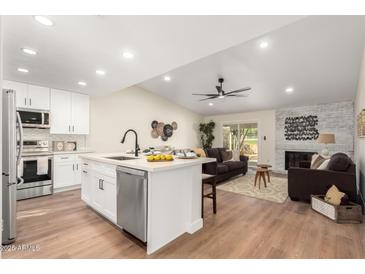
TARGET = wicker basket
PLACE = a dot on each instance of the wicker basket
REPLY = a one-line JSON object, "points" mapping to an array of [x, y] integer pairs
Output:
{"points": [[343, 214]]}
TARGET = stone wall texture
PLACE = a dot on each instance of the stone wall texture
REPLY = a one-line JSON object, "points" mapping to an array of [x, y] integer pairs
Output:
{"points": [[337, 118]]}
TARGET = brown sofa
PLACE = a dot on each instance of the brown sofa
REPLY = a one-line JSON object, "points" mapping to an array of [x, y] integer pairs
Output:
{"points": [[302, 182], [224, 169]]}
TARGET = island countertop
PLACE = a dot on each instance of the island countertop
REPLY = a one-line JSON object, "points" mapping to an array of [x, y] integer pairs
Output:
{"points": [[141, 162]]}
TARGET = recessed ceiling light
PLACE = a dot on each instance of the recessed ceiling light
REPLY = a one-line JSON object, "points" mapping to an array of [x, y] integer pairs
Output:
{"points": [[128, 55], [289, 90], [29, 51], [43, 20], [167, 78], [100, 72], [81, 83], [264, 44], [23, 70], [211, 104]]}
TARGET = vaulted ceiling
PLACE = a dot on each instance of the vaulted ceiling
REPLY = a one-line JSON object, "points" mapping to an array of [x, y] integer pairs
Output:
{"points": [[76, 46]]}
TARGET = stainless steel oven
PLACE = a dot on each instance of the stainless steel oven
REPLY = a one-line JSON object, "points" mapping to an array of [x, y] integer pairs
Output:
{"points": [[35, 169], [34, 119]]}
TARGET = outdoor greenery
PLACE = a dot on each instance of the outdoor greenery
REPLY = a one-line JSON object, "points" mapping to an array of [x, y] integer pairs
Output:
{"points": [[206, 134]]}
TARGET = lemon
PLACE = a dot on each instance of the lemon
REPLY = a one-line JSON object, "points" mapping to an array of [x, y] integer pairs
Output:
{"points": [[163, 157], [157, 158], [150, 158], [169, 157]]}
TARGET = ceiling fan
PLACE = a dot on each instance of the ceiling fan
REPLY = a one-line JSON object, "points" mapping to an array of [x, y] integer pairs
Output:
{"points": [[222, 94]]}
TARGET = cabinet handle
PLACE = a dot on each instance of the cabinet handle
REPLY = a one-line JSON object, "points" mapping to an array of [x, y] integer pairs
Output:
{"points": [[69, 128], [25, 101], [85, 164], [64, 158], [84, 171], [102, 184], [73, 128], [77, 166], [30, 101], [73, 167]]}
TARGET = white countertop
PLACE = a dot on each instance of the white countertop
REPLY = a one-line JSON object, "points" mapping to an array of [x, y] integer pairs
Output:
{"points": [[142, 163]]}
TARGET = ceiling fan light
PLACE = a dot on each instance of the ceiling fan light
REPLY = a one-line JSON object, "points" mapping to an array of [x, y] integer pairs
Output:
{"points": [[221, 96]]}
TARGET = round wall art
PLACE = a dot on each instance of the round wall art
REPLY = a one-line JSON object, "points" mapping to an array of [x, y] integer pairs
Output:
{"points": [[160, 129]]}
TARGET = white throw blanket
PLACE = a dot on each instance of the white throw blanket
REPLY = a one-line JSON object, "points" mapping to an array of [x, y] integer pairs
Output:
{"points": [[42, 165]]}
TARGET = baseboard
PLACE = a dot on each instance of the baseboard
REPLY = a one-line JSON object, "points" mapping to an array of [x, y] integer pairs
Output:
{"points": [[67, 188], [195, 226]]}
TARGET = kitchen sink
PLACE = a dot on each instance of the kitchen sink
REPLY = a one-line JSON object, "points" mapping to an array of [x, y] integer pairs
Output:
{"points": [[120, 158]]}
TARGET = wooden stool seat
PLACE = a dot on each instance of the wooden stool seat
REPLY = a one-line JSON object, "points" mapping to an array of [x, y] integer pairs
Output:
{"points": [[210, 180], [260, 173]]}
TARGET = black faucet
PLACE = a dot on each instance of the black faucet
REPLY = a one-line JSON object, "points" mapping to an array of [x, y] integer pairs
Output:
{"points": [[136, 147]]}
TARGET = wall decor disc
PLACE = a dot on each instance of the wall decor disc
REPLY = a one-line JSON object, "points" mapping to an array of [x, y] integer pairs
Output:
{"points": [[174, 125], [154, 124], [167, 130], [159, 128], [154, 133], [164, 138]]}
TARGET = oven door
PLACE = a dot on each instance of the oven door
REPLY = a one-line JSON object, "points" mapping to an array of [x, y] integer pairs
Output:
{"points": [[35, 185]]}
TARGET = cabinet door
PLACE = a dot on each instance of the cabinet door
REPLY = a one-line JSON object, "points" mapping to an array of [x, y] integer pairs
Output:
{"points": [[80, 113], [63, 174], [110, 194], [85, 185], [77, 172], [97, 196], [38, 97], [60, 119], [21, 92]]}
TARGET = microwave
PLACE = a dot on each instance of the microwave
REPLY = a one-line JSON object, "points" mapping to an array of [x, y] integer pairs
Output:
{"points": [[34, 119]]}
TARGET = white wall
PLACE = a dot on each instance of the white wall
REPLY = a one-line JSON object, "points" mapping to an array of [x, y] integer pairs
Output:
{"points": [[360, 142], [136, 108], [266, 124]]}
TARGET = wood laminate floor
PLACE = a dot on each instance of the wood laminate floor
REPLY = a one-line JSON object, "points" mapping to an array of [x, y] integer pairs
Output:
{"points": [[62, 226]]}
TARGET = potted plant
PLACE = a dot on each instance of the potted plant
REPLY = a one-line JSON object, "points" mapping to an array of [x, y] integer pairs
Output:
{"points": [[206, 134]]}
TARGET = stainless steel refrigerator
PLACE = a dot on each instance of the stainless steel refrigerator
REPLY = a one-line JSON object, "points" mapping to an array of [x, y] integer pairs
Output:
{"points": [[12, 136]]}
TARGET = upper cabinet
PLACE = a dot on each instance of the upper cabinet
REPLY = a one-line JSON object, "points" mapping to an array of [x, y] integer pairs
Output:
{"points": [[29, 96], [69, 112]]}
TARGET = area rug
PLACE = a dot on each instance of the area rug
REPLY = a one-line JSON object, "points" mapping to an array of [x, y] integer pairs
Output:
{"points": [[276, 191]]}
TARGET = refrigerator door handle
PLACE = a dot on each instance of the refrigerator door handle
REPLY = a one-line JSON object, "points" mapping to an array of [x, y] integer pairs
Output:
{"points": [[20, 151]]}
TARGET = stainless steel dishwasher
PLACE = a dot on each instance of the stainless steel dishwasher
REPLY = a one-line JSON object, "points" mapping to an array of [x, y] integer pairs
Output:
{"points": [[132, 201]]}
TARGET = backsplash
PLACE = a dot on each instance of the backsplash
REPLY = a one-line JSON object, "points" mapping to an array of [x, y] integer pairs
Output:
{"points": [[44, 134]]}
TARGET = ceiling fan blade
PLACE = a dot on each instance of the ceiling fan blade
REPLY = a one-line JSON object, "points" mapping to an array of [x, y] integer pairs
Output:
{"points": [[213, 97], [237, 95], [239, 90], [204, 94]]}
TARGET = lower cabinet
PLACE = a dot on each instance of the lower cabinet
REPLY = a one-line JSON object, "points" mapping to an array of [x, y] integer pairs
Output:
{"points": [[66, 171], [98, 190]]}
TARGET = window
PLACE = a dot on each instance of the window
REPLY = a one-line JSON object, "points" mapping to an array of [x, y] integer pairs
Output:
{"points": [[242, 137]]}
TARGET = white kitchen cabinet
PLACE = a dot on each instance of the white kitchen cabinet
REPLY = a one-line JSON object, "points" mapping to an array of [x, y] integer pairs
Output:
{"points": [[69, 112], [66, 171], [29, 96], [38, 97], [99, 188], [80, 109]]}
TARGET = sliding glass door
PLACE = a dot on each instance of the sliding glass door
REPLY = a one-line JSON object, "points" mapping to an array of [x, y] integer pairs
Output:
{"points": [[242, 138]]}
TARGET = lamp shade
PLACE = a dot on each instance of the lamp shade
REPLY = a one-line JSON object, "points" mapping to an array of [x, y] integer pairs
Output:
{"points": [[326, 138]]}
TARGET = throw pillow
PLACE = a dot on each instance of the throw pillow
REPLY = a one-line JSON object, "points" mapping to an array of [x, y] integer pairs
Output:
{"points": [[227, 155], [317, 160], [339, 162], [334, 196], [324, 165]]}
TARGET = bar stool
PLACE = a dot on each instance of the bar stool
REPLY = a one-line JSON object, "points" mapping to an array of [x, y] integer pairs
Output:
{"points": [[208, 179]]}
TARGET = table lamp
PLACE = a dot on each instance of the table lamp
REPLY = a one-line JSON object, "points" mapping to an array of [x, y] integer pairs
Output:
{"points": [[326, 138]]}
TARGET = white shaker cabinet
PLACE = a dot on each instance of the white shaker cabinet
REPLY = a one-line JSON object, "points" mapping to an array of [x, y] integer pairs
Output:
{"points": [[69, 112], [29, 96], [66, 171]]}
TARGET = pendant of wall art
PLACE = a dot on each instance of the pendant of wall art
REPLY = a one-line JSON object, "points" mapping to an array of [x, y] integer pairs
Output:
{"points": [[162, 130], [301, 128]]}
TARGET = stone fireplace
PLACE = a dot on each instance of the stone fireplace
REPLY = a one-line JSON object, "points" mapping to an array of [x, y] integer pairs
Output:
{"points": [[294, 158]]}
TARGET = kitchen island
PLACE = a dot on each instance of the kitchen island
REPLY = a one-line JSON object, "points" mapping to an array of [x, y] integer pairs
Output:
{"points": [[173, 193]]}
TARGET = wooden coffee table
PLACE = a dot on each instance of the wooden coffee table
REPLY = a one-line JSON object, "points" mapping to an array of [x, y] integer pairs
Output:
{"points": [[267, 167]]}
